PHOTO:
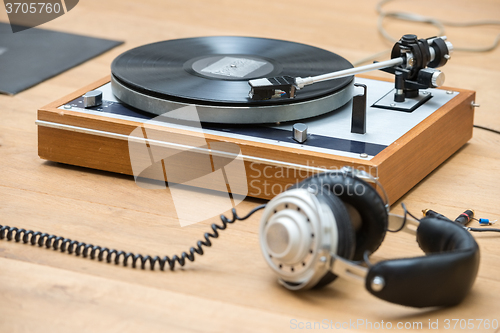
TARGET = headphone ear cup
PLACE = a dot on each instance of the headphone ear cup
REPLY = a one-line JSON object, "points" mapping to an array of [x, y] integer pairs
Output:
{"points": [[346, 240], [374, 217], [365, 201]]}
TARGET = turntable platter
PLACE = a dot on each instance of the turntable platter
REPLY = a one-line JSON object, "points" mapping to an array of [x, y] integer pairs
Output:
{"points": [[212, 73]]}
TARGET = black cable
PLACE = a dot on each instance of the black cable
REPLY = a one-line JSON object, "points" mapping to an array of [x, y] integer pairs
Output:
{"points": [[487, 129], [366, 259], [414, 217], [70, 246], [406, 212], [483, 229]]}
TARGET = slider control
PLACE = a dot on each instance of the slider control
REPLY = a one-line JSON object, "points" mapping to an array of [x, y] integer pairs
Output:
{"points": [[300, 132], [92, 98]]}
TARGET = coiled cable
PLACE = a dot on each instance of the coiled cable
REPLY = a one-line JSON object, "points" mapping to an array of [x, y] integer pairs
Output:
{"points": [[99, 252]]}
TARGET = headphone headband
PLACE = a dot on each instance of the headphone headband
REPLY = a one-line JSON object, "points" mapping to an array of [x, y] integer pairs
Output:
{"points": [[441, 278]]}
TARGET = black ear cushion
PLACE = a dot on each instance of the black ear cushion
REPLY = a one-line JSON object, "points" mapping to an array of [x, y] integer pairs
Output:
{"points": [[346, 239], [364, 198]]}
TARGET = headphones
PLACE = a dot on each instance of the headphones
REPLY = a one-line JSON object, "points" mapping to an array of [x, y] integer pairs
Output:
{"points": [[324, 228], [327, 226]]}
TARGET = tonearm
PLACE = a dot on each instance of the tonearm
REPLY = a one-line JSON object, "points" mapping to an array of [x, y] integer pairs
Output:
{"points": [[413, 62]]}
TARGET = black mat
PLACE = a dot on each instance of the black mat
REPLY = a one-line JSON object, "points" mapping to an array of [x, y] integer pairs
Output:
{"points": [[35, 55]]}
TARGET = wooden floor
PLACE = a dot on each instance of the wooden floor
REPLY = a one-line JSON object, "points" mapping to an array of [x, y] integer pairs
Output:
{"points": [[230, 288]]}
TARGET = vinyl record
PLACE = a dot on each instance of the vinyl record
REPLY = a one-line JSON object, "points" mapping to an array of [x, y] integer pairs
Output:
{"points": [[217, 69], [212, 73]]}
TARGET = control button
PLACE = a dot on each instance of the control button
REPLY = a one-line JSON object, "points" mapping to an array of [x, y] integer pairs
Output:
{"points": [[92, 98], [437, 79], [300, 132]]}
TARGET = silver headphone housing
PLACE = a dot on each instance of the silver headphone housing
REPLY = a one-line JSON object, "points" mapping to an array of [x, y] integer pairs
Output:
{"points": [[298, 238]]}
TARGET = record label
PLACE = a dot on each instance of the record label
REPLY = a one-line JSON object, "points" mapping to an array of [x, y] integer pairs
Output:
{"points": [[238, 67]]}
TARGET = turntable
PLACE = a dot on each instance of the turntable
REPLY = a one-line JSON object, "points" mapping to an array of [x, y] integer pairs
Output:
{"points": [[292, 110]]}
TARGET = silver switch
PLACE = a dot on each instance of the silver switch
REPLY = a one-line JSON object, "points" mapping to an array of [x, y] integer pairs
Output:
{"points": [[92, 98], [300, 132]]}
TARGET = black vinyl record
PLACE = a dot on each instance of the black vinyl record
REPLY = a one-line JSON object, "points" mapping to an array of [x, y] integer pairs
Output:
{"points": [[216, 70]]}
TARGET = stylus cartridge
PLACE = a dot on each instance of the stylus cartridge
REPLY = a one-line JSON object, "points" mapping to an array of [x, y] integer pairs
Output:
{"points": [[273, 87]]}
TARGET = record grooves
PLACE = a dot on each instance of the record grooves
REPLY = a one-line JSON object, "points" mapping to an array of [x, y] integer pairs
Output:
{"points": [[214, 72]]}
